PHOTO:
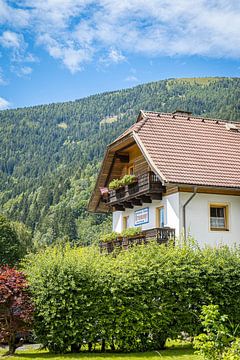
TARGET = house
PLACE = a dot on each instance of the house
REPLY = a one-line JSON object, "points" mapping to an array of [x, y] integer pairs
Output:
{"points": [[187, 177]]}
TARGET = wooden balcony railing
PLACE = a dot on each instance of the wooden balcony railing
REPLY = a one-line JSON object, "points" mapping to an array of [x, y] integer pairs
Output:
{"points": [[148, 187], [161, 235]]}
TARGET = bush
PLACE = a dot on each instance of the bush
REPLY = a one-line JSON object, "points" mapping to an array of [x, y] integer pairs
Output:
{"points": [[233, 352], [10, 245], [132, 301], [16, 308], [216, 337]]}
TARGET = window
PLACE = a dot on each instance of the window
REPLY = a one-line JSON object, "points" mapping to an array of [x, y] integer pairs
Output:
{"points": [[130, 170], [218, 217], [125, 222], [160, 217]]}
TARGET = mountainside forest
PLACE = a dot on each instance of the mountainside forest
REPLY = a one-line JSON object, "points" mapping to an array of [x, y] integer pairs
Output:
{"points": [[50, 154]]}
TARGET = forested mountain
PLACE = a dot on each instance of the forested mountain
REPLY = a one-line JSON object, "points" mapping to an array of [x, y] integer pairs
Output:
{"points": [[50, 154]]}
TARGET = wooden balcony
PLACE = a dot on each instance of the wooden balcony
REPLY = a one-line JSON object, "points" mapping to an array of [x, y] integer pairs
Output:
{"points": [[161, 235], [147, 187]]}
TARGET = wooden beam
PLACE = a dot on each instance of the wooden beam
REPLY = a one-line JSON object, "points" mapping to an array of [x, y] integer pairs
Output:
{"points": [[123, 158], [145, 199], [119, 207], [156, 196], [128, 204], [137, 202]]}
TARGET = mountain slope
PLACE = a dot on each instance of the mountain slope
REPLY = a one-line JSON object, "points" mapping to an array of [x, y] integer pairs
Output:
{"points": [[50, 154]]}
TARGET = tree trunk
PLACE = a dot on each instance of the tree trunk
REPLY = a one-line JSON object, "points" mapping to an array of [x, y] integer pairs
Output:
{"points": [[112, 346], [12, 346], [103, 348], [75, 348]]}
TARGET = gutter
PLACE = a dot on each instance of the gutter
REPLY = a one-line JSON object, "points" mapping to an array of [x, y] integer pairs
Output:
{"points": [[184, 211]]}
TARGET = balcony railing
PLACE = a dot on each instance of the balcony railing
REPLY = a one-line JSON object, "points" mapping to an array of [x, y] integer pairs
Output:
{"points": [[146, 188], [161, 235]]}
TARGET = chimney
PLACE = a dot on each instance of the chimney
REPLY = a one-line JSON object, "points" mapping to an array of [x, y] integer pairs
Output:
{"points": [[181, 113]]}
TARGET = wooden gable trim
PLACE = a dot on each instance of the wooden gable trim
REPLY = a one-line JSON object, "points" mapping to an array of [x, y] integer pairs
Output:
{"points": [[201, 189], [105, 172], [211, 190], [174, 188]]}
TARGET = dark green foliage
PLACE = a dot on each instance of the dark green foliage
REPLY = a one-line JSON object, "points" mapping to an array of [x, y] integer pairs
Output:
{"points": [[15, 241], [133, 301], [10, 245], [50, 154]]}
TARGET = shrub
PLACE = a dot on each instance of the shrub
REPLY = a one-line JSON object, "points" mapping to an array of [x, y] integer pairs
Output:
{"points": [[10, 245], [132, 301], [16, 308], [233, 351], [216, 337]]}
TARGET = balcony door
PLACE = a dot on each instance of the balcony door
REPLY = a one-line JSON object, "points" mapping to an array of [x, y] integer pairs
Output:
{"points": [[160, 217]]}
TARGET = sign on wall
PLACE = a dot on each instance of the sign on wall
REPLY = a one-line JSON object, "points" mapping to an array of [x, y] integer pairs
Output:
{"points": [[141, 216]]}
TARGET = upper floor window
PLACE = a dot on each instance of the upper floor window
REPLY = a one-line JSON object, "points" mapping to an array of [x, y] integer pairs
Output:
{"points": [[219, 217], [130, 170]]}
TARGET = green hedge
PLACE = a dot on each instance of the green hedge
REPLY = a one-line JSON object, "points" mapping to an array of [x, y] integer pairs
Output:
{"points": [[132, 301]]}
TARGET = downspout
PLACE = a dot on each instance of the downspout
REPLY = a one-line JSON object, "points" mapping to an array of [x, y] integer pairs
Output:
{"points": [[184, 211]]}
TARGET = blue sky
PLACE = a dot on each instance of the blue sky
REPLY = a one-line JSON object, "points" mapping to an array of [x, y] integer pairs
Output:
{"points": [[59, 50]]}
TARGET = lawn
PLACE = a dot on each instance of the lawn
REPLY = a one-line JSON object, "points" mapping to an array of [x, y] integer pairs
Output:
{"points": [[177, 352]]}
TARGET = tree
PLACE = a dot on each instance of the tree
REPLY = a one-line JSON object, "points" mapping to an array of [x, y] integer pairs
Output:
{"points": [[10, 246], [24, 237], [16, 308]]}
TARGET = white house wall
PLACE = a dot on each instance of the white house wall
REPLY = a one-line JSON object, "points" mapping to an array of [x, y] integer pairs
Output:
{"points": [[198, 222], [171, 214]]}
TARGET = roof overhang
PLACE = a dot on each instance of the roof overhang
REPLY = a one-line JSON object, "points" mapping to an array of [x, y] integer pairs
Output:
{"points": [[95, 204]]}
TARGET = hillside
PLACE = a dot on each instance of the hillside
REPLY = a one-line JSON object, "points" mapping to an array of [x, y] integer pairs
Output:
{"points": [[50, 154]]}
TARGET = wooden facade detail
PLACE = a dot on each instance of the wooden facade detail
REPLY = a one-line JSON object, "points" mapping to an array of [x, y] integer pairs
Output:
{"points": [[161, 235], [140, 165], [147, 188]]}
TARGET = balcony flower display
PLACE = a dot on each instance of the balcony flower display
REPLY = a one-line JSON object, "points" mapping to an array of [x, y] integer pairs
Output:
{"points": [[132, 231], [118, 183], [105, 238], [127, 233]]}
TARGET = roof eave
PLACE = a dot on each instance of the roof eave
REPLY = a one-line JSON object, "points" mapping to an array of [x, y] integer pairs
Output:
{"points": [[111, 148]]}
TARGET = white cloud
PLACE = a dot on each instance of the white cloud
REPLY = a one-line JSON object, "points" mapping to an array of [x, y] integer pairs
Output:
{"points": [[15, 16], [4, 104], [113, 57], [2, 79], [77, 31], [71, 55], [131, 78], [26, 70], [116, 56], [10, 39]]}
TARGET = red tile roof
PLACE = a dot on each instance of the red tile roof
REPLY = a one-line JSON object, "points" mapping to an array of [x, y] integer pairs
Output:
{"points": [[190, 150]]}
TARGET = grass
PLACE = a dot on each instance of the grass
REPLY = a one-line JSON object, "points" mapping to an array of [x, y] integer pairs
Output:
{"points": [[176, 352]]}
